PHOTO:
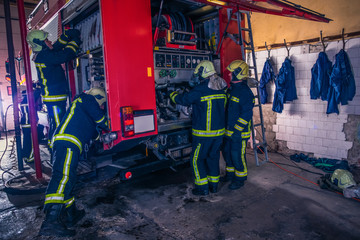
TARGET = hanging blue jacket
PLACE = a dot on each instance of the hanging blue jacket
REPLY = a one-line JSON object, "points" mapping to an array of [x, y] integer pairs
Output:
{"points": [[342, 83], [320, 77], [285, 86], [266, 76]]}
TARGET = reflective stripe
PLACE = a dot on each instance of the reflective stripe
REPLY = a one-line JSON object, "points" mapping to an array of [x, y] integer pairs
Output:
{"points": [[74, 44], [54, 98], [237, 127], [102, 119], [71, 47], [40, 66], [202, 181], [62, 41], [173, 96], [25, 125], [228, 133], [242, 121], [213, 179], [54, 198], [245, 134], [56, 115], [212, 97], [235, 99], [230, 169], [194, 162], [202, 133], [243, 173], [69, 202], [62, 129], [67, 137], [66, 170]]}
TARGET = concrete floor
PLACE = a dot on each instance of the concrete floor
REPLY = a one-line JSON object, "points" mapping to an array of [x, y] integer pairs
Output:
{"points": [[273, 204]]}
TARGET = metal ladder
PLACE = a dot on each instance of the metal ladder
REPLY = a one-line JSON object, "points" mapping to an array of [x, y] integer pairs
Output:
{"points": [[249, 46]]}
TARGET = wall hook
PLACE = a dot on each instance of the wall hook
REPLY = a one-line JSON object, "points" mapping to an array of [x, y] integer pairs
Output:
{"points": [[322, 41], [343, 38], [268, 50], [287, 49]]}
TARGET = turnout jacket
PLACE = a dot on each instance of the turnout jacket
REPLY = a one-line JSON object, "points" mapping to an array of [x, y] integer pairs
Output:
{"points": [[208, 108], [239, 110], [266, 76], [342, 83], [51, 75], [320, 76], [80, 122]]}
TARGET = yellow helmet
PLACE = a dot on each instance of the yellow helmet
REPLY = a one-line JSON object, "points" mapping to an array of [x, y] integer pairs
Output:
{"points": [[205, 69], [98, 93], [36, 35], [239, 68], [343, 178]]}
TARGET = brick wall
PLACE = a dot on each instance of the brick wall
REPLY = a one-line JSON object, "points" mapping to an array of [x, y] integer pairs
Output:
{"points": [[304, 124]]}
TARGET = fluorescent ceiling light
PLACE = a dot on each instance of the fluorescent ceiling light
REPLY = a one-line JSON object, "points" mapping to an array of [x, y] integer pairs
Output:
{"points": [[222, 3]]}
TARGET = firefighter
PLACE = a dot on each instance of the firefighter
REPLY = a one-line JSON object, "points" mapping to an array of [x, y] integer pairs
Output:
{"points": [[48, 58], [27, 150], [239, 113], [207, 99], [79, 125]]}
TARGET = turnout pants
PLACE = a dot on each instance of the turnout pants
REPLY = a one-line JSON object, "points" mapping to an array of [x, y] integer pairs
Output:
{"points": [[56, 111], [63, 179], [27, 147], [205, 160], [234, 153]]}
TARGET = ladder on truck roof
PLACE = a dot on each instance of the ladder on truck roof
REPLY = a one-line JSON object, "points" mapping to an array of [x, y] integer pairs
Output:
{"points": [[249, 46]]}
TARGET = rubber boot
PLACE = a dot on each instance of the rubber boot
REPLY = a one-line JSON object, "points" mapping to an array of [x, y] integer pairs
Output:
{"points": [[52, 224], [73, 215], [213, 187], [200, 191], [236, 184], [228, 177]]}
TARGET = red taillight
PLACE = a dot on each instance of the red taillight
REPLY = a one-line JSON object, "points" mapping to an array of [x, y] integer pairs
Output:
{"points": [[127, 121], [128, 175]]}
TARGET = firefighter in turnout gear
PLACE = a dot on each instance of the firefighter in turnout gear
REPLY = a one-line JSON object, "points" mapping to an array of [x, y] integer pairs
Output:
{"points": [[27, 146], [80, 124], [239, 113], [48, 59], [208, 99]]}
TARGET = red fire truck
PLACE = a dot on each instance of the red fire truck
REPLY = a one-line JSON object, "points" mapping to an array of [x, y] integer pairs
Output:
{"points": [[140, 51]]}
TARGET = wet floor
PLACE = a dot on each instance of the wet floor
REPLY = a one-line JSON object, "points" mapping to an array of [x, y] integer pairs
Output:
{"points": [[273, 204]]}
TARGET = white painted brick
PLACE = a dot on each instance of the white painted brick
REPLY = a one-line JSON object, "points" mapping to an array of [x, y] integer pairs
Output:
{"points": [[310, 124], [312, 132], [328, 126], [282, 129], [340, 136], [328, 142], [302, 123], [280, 136], [304, 132], [331, 135], [295, 122], [338, 127], [308, 148], [297, 130], [332, 151], [347, 145], [318, 141], [309, 140], [321, 150], [321, 133], [348, 109], [320, 108], [298, 146], [280, 121], [289, 130], [342, 153], [290, 145], [357, 110], [287, 122], [275, 128]]}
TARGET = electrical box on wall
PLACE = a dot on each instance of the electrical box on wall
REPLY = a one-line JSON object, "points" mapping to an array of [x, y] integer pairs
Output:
{"points": [[311, 48]]}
